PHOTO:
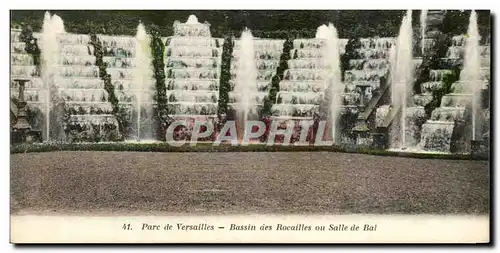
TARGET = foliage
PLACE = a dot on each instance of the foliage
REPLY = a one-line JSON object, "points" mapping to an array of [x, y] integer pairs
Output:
{"points": [[431, 60], [120, 113], [59, 116], [158, 51], [225, 78], [456, 22], [351, 53], [31, 45], [275, 81], [437, 94], [264, 23]]}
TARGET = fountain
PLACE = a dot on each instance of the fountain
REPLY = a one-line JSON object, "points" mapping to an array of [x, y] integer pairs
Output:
{"points": [[265, 59], [471, 72], [447, 126], [52, 26], [309, 90], [303, 86], [193, 60], [423, 27], [333, 86], [402, 80], [143, 81], [246, 80]]}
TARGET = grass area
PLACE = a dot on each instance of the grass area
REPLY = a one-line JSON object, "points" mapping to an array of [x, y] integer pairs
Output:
{"points": [[153, 183], [208, 147]]}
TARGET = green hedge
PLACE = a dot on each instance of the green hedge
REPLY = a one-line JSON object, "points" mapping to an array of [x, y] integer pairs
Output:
{"points": [[225, 78], [120, 113], [270, 99], [164, 147], [264, 23], [160, 97], [351, 53], [31, 45], [59, 114], [431, 60], [438, 94], [456, 22]]}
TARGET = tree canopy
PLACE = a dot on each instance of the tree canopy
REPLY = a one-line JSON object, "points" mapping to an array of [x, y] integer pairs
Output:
{"points": [[263, 23]]}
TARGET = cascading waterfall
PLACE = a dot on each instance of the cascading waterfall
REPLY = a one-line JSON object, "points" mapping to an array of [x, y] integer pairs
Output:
{"points": [[246, 77], [471, 72], [402, 77], [193, 68], [142, 76], [423, 27], [52, 25]]}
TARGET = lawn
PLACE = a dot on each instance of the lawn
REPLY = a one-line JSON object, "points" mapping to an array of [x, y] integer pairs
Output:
{"points": [[112, 183]]}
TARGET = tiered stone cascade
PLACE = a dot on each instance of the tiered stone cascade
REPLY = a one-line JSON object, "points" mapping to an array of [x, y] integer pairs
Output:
{"points": [[387, 120], [75, 81], [133, 89], [193, 61], [364, 82], [436, 132], [267, 59], [364, 77], [81, 88], [304, 82], [78, 84]]}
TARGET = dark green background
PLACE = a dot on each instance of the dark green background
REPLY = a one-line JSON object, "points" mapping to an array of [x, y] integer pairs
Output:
{"points": [[263, 23]]}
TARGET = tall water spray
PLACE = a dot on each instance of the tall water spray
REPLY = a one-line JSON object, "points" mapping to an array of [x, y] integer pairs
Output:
{"points": [[50, 52], [142, 76], [246, 77], [423, 27], [471, 71], [393, 67], [402, 77], [333, 85]]}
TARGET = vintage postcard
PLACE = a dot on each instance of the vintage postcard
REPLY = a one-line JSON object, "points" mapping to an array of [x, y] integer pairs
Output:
{"points": [[250, 126]]}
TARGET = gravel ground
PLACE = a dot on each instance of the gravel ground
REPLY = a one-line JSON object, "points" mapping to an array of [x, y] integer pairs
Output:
{"points": [[238, 183]]}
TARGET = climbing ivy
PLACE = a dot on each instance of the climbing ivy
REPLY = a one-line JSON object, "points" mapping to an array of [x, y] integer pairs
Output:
{"points": [[121, 114], [31, 45], [351, 53], [225, 77], [160, 96], [437, 94], [431, 60], [59, 115], [275, 82]]}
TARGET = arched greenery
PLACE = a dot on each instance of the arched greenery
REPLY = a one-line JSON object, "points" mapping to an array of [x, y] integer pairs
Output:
{"points": [[121, 114], [225, 77], [31, 45], [351, 53], [273, 90], [160, 97]]}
